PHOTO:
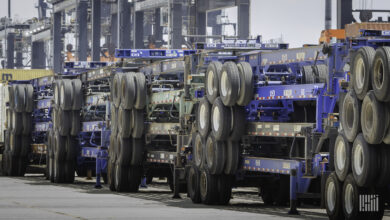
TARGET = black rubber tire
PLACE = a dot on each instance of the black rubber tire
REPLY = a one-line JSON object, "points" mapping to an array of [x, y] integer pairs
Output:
{"points": [[221, 120], [137, 154], [116, 89], [121, 178], [66, 95], [22, 166], [208, 187], [374, 119], [350, 116], [19, 99], [25, 142], [69, 171], [246, 83], [29, 98], [141, 93], [77, 94], [124, 119], [333, 200], [15, 144], [8, 113], [384, 166], [381, 74], [111, 175], [238, 126], [323, 72], [59, 171], [364, 162], [56, 92], [193, 182], [232, 157], [17, 122], [134, 178], [64, 122], [308, 76], [71, 148], [353, 191], [361, 71], [114, 119], [215, 155], [203, 117], [59, 147], [224, 186], [11, 96], [124, 150], [212, 79], [128, 91], [229, 83], [51, 157], [198, 147], [342, 157], [48, 152], [13, 164], [27, 123], [76, 123], [137, 123]]}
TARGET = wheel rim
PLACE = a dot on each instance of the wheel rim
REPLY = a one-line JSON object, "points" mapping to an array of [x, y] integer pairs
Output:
{"points": [[198, 150], [349, 112], [216, 119], [331, 196], [378, 73], [203, 184], [340, 155], [11, 142], [210, 82], [360, 72], [62, 95], [210, 153], [13, 120], [358, 159], [349, 198], [368, 117], [224, 83], [202, 119], [116, 175]]}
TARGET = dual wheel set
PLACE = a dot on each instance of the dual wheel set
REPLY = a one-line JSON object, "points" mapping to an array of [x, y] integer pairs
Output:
{"points": [[220, 123], [62, 137], [362, 151], [17, 137], [127, 142]]}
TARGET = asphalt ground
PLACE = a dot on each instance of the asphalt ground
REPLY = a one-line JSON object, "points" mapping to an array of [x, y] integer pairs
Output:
{"points": [[33, 197]]}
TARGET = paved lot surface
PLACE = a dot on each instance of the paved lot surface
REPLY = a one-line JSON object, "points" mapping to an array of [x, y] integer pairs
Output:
{"points": [[35, 198]]}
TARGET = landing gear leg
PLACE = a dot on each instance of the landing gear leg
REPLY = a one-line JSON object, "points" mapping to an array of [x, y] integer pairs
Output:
{"points": [[293, 195]]}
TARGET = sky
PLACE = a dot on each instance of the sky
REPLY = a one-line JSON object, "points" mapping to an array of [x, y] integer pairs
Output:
{"points": [[297, 21]]}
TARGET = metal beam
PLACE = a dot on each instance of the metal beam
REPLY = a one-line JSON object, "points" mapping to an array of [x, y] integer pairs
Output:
{"points": [[41, 36], [344, 13], [328, 14], [201, 25], [82, 31], [139, 30], [176, 24], [114, 30], [150, 4], [57, 42], [10, 50], [38, 55], [64, 5], [243, 7], [124, 10], [157, 26], [96, 26]]}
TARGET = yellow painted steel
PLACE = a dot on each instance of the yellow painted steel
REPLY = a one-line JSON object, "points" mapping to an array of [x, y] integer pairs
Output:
{"points": [[20, 75]]}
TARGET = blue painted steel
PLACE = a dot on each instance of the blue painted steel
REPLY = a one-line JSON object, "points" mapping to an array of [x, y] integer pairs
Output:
{"points": [[151, 53]]}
